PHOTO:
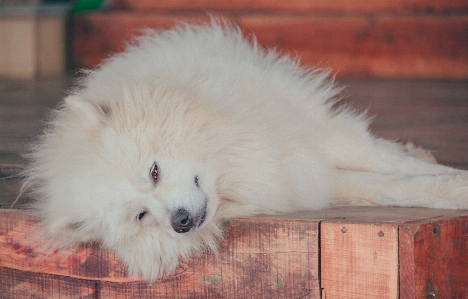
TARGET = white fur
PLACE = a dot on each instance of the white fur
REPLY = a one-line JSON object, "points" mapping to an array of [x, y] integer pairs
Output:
{"points": [[257, 129]]}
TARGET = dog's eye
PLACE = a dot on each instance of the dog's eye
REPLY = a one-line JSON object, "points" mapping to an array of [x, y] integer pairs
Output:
{"points": [[154, 172], [141, 215], [196, 182]]}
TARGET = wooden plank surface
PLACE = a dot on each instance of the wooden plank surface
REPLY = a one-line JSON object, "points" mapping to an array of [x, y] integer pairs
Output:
{"points": [[359, 260], [98, 36], [385, 46], [261, 258], [395, 253], [432, 46], [336, 6], [366, 252], [434, 258]]}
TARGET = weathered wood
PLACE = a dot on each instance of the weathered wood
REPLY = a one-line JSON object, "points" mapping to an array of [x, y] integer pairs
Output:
{"points": [[388, 46], [370, 252], [359, 261], [419, 253], [434, 258], [384, 46], [95, 37], [261, 258], [293, 5]]}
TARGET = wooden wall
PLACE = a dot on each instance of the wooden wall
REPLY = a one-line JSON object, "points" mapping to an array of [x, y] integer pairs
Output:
{"points": [[384, 38]]}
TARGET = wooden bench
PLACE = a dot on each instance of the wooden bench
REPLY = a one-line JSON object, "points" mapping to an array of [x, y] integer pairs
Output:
{"points": [[341, 253]]}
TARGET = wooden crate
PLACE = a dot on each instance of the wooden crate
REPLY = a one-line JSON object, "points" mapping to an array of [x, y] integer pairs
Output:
{"points": [[395, 253], [261, 258], [337, 253]]}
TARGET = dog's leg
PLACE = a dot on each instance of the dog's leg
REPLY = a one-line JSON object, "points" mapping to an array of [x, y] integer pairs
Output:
{"points": [[385, 156], [448, 190], [391, 157], [419, 152], [361, 151], [348, 144]]}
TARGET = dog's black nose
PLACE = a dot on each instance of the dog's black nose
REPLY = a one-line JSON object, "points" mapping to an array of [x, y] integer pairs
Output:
{"points": [[182, 221]]}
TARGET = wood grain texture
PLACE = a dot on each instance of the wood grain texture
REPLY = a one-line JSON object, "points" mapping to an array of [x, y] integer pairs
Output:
{"points": [[395, 253], [384, 46], [261, 258], [95, 37], [293, 5], [431, 46], [359, 261], [366, 252], [434, 258]]}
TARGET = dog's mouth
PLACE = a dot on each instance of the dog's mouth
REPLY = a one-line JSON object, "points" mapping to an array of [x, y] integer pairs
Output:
{"points": [[203, 217]]}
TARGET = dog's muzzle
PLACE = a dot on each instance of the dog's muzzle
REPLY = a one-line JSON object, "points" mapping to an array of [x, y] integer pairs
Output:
{"points": [[183, 221]]}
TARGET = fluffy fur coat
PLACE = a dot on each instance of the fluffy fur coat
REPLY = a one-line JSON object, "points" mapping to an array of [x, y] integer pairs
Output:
{"points": [[197, 124]]}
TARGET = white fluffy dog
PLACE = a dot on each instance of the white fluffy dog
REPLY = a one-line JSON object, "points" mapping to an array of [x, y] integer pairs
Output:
{"points": [[197, 124]]}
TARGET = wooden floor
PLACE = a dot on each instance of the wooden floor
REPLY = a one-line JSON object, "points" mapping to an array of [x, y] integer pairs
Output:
{"points": [[431, 113]]}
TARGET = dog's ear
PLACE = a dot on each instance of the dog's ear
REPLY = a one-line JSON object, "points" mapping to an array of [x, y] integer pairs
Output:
{"points": [[90, 113]]}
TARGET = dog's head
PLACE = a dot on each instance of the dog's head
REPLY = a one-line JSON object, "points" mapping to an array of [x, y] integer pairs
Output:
{"points": [[130, 176]]}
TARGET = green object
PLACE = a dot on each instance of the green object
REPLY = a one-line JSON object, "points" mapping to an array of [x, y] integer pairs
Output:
{"points": [[86, 5]]}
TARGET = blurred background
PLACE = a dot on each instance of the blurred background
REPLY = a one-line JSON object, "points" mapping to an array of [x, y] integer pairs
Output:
{"points": [[404, 61], [385, 38]]}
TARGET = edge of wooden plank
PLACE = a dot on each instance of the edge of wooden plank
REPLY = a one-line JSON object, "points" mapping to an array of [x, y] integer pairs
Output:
{"points": [[345, 260], [260, 258], [359, 260], [434, 258]]}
